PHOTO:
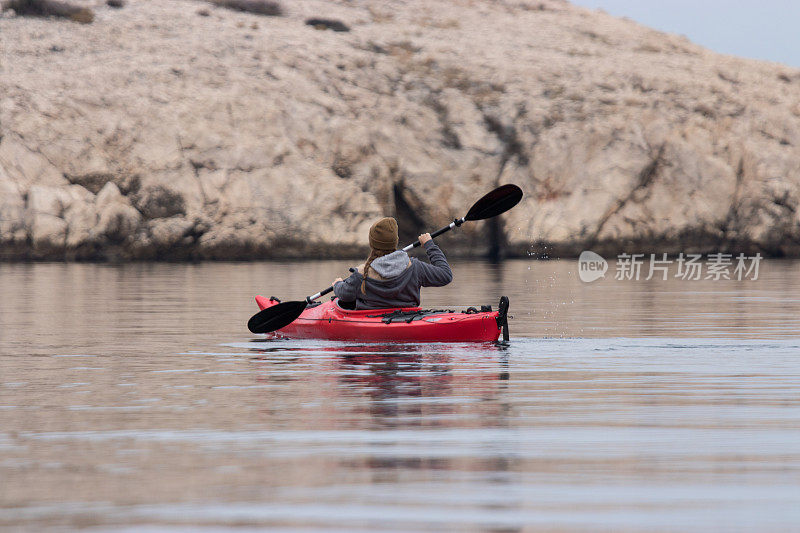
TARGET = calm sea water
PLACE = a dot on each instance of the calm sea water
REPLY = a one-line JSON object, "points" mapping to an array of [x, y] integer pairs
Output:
{"points": [[133, 398]]}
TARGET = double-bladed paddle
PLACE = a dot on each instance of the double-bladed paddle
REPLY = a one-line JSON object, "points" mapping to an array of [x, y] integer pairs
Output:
{"points": [[490, 205]]}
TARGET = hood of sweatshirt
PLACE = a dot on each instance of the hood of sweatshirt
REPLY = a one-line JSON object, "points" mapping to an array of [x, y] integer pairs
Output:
{"points": [[391, 265]]}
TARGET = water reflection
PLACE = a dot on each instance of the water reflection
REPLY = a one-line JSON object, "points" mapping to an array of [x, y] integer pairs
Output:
{"points": [[409, 385]]}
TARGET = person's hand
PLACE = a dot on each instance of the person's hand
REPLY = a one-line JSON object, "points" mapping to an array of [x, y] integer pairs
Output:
{"points": [[337, 280], [425, 237]]}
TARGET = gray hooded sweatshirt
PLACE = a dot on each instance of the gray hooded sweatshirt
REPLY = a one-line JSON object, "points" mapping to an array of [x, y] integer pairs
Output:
{"points": [[402, 279]]}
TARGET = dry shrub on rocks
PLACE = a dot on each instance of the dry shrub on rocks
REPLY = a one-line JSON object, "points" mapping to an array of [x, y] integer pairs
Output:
{"points": [[159, 201], [50, 8], [115, 3], [327, 24], [259, 7]]}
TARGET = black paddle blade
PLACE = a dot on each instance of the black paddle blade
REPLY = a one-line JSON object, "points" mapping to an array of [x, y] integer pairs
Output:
{"points": [[496, 202], [275, 317]]}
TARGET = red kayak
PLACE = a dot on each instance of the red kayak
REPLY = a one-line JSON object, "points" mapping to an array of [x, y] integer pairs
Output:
{"points": [[327, 320]]}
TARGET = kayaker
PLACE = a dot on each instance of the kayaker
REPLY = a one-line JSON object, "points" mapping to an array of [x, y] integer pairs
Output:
{"points": [[389, 278]]}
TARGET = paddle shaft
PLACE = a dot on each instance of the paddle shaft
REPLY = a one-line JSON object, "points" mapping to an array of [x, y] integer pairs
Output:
{"points": [[310, 299], [454, 224], [457, 222]]}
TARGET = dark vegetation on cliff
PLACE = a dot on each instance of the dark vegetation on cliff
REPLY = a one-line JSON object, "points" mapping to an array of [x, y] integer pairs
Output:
{"points": [[50, 8], [258, 7], [327, 24]]}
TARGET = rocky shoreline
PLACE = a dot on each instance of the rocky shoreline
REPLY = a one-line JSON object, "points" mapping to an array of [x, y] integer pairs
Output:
{"points": [[186, 131]]}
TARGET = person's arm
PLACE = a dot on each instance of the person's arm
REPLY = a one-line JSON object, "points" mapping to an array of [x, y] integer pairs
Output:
{"points": [[437, 273], [347, 290]]}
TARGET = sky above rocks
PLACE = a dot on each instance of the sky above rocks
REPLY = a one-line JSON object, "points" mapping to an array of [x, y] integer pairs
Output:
{"points": [[764, 29]]}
